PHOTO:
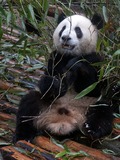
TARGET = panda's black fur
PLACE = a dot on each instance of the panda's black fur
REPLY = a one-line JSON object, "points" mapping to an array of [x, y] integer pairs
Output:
{"points": [[52, 108]]}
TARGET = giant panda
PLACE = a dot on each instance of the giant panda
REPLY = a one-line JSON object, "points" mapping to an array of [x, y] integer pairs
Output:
{"points": [[51, 109]]}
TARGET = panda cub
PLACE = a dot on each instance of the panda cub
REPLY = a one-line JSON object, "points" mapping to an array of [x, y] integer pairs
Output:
{"points": [[53, 109]]}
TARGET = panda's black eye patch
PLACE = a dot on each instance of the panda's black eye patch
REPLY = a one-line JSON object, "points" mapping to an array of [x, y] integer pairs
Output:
{"points": [[78, 32], [60, 33]]}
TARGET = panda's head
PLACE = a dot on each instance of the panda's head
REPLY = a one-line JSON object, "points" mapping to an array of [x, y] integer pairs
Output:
{"points": [[77, 34]]}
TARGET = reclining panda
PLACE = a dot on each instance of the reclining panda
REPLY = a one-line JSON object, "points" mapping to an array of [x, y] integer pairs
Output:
{"points": [[53, 109]]}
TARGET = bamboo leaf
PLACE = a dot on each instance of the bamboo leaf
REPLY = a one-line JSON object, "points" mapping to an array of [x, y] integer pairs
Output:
{"points": [[56, 143], [117, 126], [45, 5], [101, 73], [117, 115], [32, 15], [118, 30], [8, 18], [4, 144], [20, 41], [31, 11], [86, 91], [36, 66], [3, 133], [61, 154], [104, 9], [108, 151], [11, 98], [117, 53], [3, 12], [80, 153]]}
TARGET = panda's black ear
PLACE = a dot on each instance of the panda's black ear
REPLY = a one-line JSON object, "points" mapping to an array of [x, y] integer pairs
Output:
{"points": [[61, 17], [97, 20]]}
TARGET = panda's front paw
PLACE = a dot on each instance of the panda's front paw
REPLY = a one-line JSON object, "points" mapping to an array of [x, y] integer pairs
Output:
{"points": [[51, 87], [74, 64], [97, 128]]}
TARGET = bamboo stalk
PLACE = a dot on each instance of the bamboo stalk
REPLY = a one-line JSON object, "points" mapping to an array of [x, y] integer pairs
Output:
{"points": [[95, 154]]}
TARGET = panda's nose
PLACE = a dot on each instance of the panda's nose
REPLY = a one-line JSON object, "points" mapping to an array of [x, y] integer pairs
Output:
{"points": [[63, 111], [65, 38]]}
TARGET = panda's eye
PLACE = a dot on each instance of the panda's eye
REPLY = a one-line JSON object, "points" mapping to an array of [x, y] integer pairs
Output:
{"points": [[78, 32], [63, 28]]}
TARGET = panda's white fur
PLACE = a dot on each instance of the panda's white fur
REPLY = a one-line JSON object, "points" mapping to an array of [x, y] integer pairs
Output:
{"points": [[80, 46], [59, 122]]}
